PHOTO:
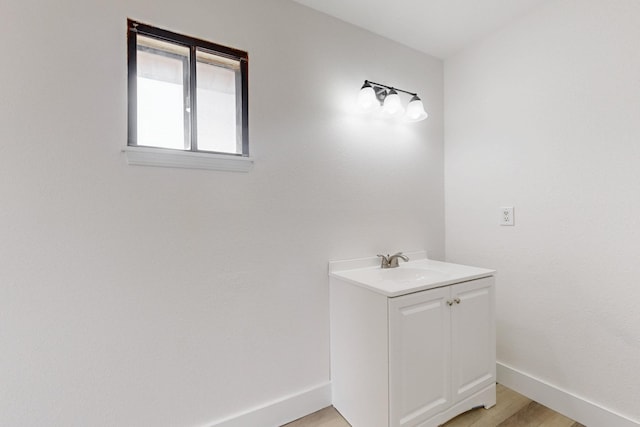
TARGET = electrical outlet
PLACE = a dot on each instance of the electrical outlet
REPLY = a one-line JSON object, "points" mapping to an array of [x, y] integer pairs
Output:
{"points": [[506, 215]]}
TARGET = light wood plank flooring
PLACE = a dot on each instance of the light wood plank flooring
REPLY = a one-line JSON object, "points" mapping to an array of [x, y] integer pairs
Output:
{"points": [[512, 410]]}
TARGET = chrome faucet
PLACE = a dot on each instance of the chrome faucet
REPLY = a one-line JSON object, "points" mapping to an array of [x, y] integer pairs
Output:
{"points": [[391, 261]]}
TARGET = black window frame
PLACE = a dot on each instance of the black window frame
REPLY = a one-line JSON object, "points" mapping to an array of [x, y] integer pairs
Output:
{"points": [[190, 78]]}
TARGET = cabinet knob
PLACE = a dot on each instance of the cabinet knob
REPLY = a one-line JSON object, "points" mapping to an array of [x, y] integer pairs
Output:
{"points": [[450, 302], [457, 300]]}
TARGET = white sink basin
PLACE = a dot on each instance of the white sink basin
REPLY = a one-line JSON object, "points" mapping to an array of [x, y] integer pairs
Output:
{"points": [[400, 276], [412, 276]]}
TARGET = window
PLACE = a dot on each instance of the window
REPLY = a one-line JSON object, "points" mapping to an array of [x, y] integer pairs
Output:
{"points": [[185, 95]]}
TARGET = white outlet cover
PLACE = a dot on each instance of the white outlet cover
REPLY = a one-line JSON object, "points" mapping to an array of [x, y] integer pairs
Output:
{"points": [[506, 215]]}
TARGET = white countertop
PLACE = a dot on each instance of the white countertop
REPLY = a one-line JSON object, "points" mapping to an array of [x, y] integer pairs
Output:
{"points": [[413, 276]]}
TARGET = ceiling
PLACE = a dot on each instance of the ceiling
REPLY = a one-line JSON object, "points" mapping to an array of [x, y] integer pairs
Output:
{"points": [[436, 27]]}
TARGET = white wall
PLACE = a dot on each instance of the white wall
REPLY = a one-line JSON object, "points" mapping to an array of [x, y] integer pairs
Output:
{"points": [[149, 296], [544, 116]]}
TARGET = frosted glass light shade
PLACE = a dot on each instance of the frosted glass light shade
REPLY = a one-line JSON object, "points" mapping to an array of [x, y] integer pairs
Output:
{"points": [[367, 100], [392, 104], [415, 110]]}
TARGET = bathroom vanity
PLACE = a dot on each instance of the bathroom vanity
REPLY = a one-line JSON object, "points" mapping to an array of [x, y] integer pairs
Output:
{"points": [[411, 346]]}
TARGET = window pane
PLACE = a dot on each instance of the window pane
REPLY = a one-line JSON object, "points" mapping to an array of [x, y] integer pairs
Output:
{"points": [[162, 94], [217, 107]]}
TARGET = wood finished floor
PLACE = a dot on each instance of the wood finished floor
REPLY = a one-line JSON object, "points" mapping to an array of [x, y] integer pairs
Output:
{"points": [[512, 410]]}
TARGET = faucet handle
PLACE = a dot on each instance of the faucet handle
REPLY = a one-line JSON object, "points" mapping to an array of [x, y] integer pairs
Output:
{"points": [[393, 259], [385, 260]]}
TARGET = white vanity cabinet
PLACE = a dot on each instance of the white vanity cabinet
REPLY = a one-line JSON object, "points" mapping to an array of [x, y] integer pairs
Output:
{"points": [[416, 353], [441, 350]]}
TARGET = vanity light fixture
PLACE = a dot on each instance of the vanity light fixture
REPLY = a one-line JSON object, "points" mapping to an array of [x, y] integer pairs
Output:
{"points": [[377, 96]]}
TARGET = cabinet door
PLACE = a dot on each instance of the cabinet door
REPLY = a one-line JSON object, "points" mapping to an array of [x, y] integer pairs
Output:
{"points": [[473, 337], [419, 356]]}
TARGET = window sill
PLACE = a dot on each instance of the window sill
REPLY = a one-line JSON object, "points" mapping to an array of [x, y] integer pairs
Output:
{"points": [[144, 156]]}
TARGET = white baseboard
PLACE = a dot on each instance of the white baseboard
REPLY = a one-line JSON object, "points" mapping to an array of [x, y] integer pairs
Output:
{"points": [[574, 407], [281, 411]]}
